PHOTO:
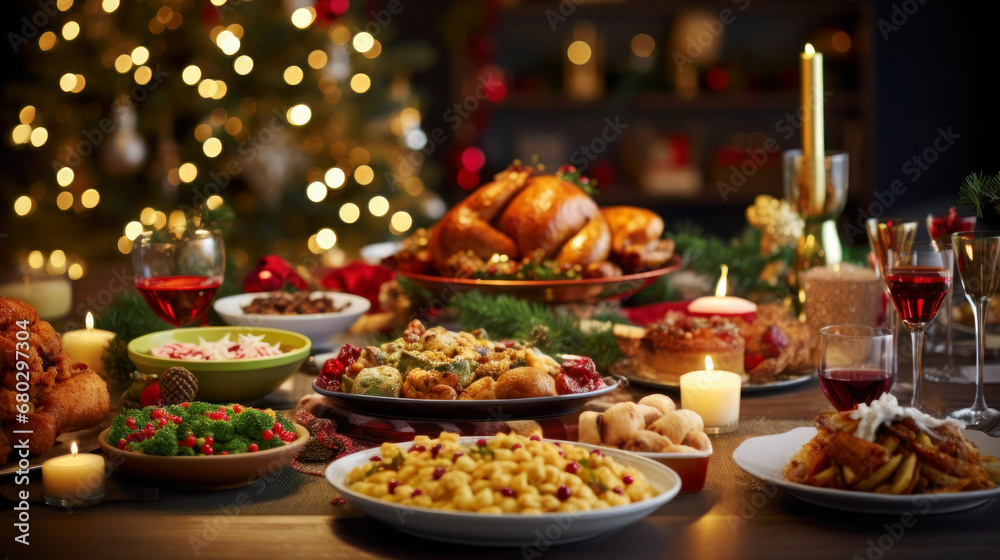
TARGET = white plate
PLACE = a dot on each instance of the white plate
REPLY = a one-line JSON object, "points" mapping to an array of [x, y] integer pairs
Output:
{"points": [[374, 253], [319, 327], [765, 457], [512, 529]]}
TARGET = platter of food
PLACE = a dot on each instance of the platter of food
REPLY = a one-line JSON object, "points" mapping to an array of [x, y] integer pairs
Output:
{"points": [[882, 459], [66, 400], [202, 446], [496, 492], [436, 373], [318, 315], [772, 351], [230, 363], [539, 237], [86, 440]]}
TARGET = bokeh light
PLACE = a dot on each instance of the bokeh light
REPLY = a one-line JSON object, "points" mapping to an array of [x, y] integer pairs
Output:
{"points": [[578, 52]]}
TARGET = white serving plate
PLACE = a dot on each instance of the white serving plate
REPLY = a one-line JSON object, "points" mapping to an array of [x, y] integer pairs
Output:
{"points": [[765, 457], [319, 327], [514, 529]]}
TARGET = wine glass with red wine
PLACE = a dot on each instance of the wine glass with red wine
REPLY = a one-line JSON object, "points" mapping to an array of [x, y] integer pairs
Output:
{"points": [[977, 255], [178, 276], [855, 364], [940, 227], [918, 281]]}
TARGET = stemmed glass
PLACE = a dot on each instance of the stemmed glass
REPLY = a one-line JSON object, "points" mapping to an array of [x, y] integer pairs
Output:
{"points": [[178, 275], [855, 364], [978, 257], [940, 227], [885, 235], [918, 280]]}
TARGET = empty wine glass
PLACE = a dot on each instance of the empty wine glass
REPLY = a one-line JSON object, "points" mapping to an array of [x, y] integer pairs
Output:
{"points": [[977, 255], [940, 227], [178, 276]]}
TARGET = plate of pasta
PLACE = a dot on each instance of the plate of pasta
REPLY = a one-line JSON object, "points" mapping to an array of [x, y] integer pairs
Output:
{"points": [[502, 491], [884, 459]]}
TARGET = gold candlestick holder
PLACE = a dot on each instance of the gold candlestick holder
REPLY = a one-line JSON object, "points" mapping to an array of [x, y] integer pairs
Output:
{"points": [[819, 208]]}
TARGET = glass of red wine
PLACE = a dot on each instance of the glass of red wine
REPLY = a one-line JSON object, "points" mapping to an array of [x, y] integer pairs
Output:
{"points": [[940, 227], [178, 276], [855, 364], [918, 281]]}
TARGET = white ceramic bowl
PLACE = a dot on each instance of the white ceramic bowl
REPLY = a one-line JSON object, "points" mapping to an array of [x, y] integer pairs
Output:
{"points": [[319, 327], [513, 529]]}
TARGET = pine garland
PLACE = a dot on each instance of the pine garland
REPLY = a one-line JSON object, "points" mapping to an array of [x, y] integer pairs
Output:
{"points": [[980, 191], [128, 317], [551, 332]]}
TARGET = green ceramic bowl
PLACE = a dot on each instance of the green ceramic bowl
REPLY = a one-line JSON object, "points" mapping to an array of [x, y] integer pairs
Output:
{"points": [[226, 380]]}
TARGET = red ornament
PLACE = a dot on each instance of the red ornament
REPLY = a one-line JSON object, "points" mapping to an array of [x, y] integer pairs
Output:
{"points": [[360, 279], [151, 396], [271, 274], [330, 10]]}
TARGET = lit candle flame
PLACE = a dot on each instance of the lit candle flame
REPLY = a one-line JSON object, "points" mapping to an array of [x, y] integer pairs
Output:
{"points": [[708, 364], [720, 290], [73, 448], [809, 50], [90, 322]]}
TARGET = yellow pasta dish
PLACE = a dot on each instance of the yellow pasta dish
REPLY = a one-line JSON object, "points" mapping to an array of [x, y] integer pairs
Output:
{"points": [[505, 474]]}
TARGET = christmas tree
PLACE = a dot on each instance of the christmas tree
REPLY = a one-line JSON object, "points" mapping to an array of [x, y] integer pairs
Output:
{"points": [[134, 113]]}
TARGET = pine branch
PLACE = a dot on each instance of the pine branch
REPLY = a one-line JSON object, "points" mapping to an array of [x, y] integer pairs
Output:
{"points": [[979, 191]]}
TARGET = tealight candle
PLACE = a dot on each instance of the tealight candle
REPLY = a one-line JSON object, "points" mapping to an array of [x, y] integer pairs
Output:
{"points": [[714, 395], [88, 346], [721, 304], [73, 480]]}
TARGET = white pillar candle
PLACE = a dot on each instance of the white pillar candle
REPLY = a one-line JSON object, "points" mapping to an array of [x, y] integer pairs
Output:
{"points": [[720, 303], [714, 395], [88, 345], [51, 297], [73, 480]]}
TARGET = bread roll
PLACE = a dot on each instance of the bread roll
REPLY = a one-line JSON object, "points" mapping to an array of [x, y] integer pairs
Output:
{"points": [[523, 383], [649, 413], [481, 389], [589, 428], [645, 441], [698, 440], [677, 424], [620, 423], [662, 403]]}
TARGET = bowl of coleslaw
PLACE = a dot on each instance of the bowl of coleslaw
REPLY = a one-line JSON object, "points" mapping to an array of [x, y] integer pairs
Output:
{"points": [[232, 364]]}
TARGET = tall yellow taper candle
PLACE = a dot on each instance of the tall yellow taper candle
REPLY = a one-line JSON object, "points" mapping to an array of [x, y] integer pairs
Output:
{"points": [[813, 174]]}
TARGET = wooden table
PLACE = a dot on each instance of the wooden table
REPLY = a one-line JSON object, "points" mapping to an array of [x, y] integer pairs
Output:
{"points": [[732, 523]]}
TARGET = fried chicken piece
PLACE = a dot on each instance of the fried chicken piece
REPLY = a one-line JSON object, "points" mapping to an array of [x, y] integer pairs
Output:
{"points": [[78, 402], [861, 456]]}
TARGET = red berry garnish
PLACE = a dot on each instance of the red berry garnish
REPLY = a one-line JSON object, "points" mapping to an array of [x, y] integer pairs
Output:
{"points": [[267, 435], [535, 438], [516, 446], [627, 479], [480, 443], [563, 493], [206, 449], [121, 444], [572, 467], [189, 441], [618, 490], [435, 450], [252, 447], [597, 452], [278, 428], [185, 405], [417, 492], [162, 422], [338, 500], [375, 459], [130, 423], [209, 440], [438, 473], [224, 453], [417, 449], [455, 456], [393, 484], [508, 491], [287, 436], [178, 419], [151, 395], [237, 408]]}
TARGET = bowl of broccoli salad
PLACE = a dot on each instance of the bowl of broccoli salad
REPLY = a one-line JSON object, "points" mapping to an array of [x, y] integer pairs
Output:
{"points": [[202, 446]]}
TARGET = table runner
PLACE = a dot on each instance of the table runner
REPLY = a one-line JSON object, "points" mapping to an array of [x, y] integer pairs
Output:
{"points": [[288, 492]]}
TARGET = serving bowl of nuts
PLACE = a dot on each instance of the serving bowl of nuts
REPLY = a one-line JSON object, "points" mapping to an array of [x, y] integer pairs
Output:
{"points": [[318, 315]]}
